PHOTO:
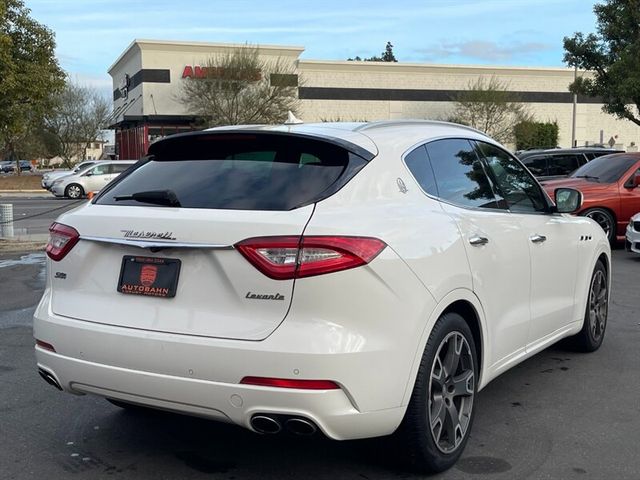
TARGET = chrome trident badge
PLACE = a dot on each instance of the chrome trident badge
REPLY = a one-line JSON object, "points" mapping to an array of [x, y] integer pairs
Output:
{"points": [[401, 186]]}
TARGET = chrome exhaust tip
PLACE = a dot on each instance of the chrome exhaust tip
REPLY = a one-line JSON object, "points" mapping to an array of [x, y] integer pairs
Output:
{"points": [[265, 425], [301, 426], [50, 379]]}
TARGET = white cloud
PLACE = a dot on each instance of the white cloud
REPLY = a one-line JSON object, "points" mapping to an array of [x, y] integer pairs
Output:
{"points": [[484, 50]]}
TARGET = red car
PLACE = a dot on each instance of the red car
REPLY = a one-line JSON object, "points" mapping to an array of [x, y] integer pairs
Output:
{"points": [[611, 189]]}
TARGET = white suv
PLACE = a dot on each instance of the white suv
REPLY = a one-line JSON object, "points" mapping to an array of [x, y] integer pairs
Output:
{"points": [[357, 279]]}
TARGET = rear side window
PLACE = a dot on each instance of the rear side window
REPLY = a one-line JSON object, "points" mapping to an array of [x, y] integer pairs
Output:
{"points": [[564, 164], [459, 174], [418, 163], [119, 167], [240, 172], [100, 169], [536, 165]]}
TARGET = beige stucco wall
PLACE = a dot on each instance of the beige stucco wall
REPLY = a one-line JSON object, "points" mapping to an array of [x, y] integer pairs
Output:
{"points": [[161, 98], [130, 62]]}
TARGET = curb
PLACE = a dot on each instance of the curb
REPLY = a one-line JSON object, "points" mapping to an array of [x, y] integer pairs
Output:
{"points": [[25, 191], [16, 246]]}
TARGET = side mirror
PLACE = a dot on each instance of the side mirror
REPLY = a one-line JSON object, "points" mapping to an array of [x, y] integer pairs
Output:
{"points": [[88, 174], [568, 200]]}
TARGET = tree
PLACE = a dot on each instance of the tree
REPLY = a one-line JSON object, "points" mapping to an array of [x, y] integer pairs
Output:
{"points": [[386, 56], [613, 55], [489, 106], [29, 75], [241, 88], [78, 116]]}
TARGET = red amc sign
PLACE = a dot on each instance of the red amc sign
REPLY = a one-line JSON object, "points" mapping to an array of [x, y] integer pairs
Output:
{"points": [[196, 71]]}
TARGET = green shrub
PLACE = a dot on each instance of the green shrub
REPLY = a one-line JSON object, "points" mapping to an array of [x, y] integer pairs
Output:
{"points": [[531, 134]]}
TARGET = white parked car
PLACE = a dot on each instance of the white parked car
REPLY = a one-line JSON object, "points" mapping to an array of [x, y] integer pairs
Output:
{"points": [[91, 179], [633, 234], [49, 177], [357, 279]]}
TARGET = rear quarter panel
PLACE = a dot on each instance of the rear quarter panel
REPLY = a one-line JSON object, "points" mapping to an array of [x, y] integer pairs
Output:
{"points": [[425, 262]]}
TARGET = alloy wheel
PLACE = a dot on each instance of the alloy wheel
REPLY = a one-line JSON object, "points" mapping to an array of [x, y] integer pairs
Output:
{"points": [[74, 191], [598, 305], [451, 392]]}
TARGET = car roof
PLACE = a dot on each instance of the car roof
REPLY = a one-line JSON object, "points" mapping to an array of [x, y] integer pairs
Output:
{"points": [[564, 151], [364, 135]]}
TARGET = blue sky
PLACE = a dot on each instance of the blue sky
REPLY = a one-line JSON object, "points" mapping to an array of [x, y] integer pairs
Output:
{"points": [[92, 33]]}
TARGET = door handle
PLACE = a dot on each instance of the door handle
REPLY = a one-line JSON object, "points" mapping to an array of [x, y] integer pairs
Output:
{"points": [[477, 241], [538, 238]]}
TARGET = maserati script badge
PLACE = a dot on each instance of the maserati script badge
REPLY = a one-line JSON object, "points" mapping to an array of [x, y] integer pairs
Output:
{"points": [[148, 235]]}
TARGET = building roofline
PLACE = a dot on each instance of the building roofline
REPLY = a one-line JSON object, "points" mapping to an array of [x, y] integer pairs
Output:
{"points": [[411, 65], [142, 41]]}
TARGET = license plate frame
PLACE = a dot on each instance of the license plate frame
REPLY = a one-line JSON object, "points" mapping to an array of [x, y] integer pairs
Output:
{"points": [[149, 276]]}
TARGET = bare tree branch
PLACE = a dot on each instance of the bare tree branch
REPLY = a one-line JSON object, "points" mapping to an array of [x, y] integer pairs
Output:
{"points": [[236, 88], [77, 119], [490, 106]]}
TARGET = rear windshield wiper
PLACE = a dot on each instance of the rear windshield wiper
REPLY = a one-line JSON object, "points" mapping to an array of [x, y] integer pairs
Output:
{"points": [[157, 197], [597, 179]]}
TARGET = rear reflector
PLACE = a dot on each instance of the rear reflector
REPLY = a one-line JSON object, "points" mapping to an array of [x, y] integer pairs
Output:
{"points": [[285, 258], [62, 239], [290, 383], [45, 345]]}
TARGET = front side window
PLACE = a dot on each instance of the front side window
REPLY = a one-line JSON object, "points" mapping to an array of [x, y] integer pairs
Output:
{"points": [[459, 175], [521, 192]]}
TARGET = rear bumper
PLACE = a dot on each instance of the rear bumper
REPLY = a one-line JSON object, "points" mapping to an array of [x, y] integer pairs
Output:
{"points": [[200, 376], [330, 410]]}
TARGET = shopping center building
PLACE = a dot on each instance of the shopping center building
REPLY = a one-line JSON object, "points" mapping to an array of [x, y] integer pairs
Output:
{"points": [[148, 78]]}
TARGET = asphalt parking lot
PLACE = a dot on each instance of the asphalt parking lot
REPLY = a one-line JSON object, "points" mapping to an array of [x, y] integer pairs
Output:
{"points": [[559, 415]]}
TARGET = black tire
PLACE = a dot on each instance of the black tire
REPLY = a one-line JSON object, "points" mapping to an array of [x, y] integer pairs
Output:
{"points": [[74, 191], [605, 219], [595, 317], [416, 438]]}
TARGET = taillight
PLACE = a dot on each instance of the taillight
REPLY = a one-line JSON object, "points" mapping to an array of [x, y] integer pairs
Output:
{"points": [[290, 383], [285, 258], [62, 239]]}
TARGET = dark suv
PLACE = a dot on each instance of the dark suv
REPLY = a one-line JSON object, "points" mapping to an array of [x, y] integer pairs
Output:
{"points": [[560, 162]]}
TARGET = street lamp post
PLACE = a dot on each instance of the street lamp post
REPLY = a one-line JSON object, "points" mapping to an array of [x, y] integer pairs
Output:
{"points": [[575, 106]]}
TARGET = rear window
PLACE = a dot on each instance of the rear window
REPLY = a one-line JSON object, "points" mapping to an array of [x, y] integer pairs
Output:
{"points": [[240, 172]]}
